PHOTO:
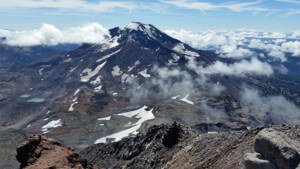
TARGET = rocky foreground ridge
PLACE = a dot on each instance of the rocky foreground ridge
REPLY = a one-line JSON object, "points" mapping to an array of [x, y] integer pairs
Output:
{"points": [[40, 152], [175, 146]]}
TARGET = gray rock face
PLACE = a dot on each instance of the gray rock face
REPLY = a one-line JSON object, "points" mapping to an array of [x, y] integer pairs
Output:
{"points": [[274, 149]]}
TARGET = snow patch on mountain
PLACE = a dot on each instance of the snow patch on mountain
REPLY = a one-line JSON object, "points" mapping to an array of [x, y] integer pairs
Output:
{"points": [[180, 48], [76, 92], [41, 71], [133, 26], [98, 88], [108, 56], [89, 73], [175, 97], [71, 108], [51, 124], [185, 99], [144, 73], [67, 60], [110, 43], [136, 63], [120, 135], [72, 69], [104, 118], [116, 71], [126, 78], [97, 81], [142, 114]]}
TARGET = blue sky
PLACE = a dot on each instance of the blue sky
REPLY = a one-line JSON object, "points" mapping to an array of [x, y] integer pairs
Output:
{"points": [[195, 15]]}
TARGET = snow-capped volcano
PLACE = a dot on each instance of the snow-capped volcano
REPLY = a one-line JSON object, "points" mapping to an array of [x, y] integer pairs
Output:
{"points": [[138, 67]]}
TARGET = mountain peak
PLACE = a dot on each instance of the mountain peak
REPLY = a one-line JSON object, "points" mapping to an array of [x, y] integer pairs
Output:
{"points": [[138, 26]]}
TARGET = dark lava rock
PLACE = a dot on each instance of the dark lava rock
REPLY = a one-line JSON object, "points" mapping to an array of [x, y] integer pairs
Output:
{"points": [[151, 150]]}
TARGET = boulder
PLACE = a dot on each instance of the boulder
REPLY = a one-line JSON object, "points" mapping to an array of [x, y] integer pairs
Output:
{"points": [[41, 152], [273, 149], [278, 148]]}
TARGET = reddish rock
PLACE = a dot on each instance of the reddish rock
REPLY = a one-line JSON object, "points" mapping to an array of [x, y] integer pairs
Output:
{"points": [[40, 152]]}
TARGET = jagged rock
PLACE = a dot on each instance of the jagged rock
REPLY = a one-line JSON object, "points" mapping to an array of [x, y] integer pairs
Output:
{"points": [[176, 146], [274, 149], [39, 152], [163, 146], [151, 150]]}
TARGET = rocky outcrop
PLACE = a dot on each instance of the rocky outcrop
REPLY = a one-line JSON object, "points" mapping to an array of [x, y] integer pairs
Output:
{"points": [[274, 150], [174, 146], [152, 150], [39, 152]]}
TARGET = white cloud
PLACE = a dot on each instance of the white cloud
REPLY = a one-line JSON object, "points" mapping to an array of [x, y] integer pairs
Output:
{"points": [[296, 34], [292, 47], [78, 5], [204, 40], [232, 50], [50, 35], [273, 50], [290, 1], [242, 68], [228, 45], [273, 109], [253, 6], [241, 43], [291, 12]]}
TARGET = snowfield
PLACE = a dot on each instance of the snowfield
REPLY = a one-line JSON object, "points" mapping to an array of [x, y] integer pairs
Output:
{"points": [[120, 135], [104, 118], [98, 88], [71, 108], [97, 81], [144, 74], [116, 71], [108, 56], [175, 97], [51, 124], [89, 73], [181, 49], [133, 26], [185, 99], [142, 114], [76, 92]]}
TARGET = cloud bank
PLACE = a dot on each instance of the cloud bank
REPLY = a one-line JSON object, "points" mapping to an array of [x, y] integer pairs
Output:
{"points": [[242, 43], [242, 68], [50, 35]]}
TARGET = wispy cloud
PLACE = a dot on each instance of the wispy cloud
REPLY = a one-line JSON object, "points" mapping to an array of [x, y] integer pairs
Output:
{"points": [[254, 6], [78, 5], [290, 1], [291, 12]]}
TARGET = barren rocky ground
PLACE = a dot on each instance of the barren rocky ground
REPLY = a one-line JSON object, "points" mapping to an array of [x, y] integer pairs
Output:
{"points": [[175, 146]]}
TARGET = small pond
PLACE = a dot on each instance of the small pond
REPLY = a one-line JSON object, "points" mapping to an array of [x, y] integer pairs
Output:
{"points": [[36, 100]]}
